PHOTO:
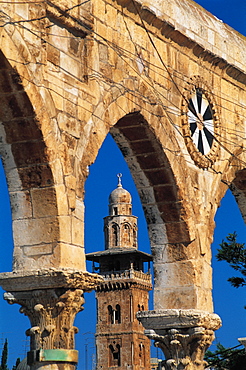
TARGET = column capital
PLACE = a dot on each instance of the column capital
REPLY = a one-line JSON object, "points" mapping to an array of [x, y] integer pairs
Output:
{"points": [[51, 313], [51, 299], [182, 335]]}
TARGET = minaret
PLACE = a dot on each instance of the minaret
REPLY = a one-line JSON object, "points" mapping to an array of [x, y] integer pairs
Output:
{"points": [[120, 340]]}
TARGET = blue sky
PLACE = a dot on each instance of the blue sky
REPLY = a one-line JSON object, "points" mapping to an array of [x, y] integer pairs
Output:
{"points": [[102, 180]]}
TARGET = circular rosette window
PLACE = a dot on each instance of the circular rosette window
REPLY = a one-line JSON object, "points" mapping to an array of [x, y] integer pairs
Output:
{"points": [[200, 126]]}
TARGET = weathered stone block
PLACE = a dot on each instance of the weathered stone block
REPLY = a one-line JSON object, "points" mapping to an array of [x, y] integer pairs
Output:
{"points": [[70, 255], [62, 200], [77, 232], [21, 205], [35, 176], [28, 232], [44, 202]]}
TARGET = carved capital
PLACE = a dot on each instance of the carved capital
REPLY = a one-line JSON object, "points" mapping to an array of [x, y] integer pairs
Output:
{"points": [[183, 348], [182, 335], [51, 313], [50, 298]]}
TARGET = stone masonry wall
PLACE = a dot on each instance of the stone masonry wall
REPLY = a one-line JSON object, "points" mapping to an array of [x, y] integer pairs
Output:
{"points": [[72, 73]]}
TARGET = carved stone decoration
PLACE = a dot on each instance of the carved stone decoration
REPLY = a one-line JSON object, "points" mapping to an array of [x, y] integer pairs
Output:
{"points": [[200, 122], [183, 348], [51, 313], [50, 298], [182, 335]]}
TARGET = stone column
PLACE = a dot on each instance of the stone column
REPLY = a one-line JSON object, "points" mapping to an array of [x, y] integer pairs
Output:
{"points": [[51, 299], [182, 335]]}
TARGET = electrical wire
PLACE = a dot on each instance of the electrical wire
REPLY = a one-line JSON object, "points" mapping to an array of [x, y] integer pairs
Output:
{"points": [[134, 93], [165, 107], [120, 51], [174, 82]]}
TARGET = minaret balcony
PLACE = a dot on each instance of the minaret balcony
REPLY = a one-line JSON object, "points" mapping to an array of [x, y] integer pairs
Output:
{"points": [[125, 279]]}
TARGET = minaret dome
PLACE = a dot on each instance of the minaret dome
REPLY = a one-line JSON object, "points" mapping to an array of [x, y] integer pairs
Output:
{"points": [[120, 200]]}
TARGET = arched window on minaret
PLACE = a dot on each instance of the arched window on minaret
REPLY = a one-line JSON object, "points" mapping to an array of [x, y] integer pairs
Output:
{"points": [[141, 355], [115, 235], [126, 234], [106, 235], [117, 314], [139, 309], [110, 315], [118, 354], [114, 355], [134, 232]]}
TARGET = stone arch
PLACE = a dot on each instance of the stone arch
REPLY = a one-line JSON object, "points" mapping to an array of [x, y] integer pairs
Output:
{"points": [[114, 354], [238, 188], [150, 146], [149, 124], [110, 314], [126, 235], [234, 178], [118, 314], [235, 175], [114, 239], [34, 167], [153, 177], [142, 355], [29, 176]]}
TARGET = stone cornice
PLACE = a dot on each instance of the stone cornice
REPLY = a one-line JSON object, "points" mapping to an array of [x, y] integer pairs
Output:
{"points": [[47, 279], [208, 37], [57, 12]]}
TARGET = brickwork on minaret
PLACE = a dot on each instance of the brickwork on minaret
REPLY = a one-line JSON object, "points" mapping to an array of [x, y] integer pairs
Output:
{"points": [[120, 338]]}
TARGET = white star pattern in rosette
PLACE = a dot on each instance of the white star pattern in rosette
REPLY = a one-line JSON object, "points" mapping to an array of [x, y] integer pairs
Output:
{"points": [[200, 119]]}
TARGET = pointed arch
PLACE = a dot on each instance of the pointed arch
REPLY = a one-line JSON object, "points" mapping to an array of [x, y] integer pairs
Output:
{"points": [[114, 354], [238, 188], [118, 314], [153, 176], [149, 143], [152, 149], [33, 156], [234, 177], [110, 315], [141, 354], [28, 172], [126, 236], [114, 240]]}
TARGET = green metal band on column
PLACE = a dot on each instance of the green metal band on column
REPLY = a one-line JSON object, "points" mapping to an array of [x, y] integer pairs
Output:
{"points": [[52, 355]]}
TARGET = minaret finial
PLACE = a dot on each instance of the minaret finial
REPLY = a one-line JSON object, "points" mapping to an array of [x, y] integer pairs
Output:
{"points": [[119, 175]]}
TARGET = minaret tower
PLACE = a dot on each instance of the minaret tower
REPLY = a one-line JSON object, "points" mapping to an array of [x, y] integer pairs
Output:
{"points": [[120, 340]]}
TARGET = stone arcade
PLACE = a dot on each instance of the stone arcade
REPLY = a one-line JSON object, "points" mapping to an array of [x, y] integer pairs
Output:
{"points": [[167, 80]]}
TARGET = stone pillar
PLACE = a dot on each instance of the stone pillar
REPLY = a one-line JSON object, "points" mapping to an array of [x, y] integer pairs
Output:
{"points": [[51, 299], [182, 335]]}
